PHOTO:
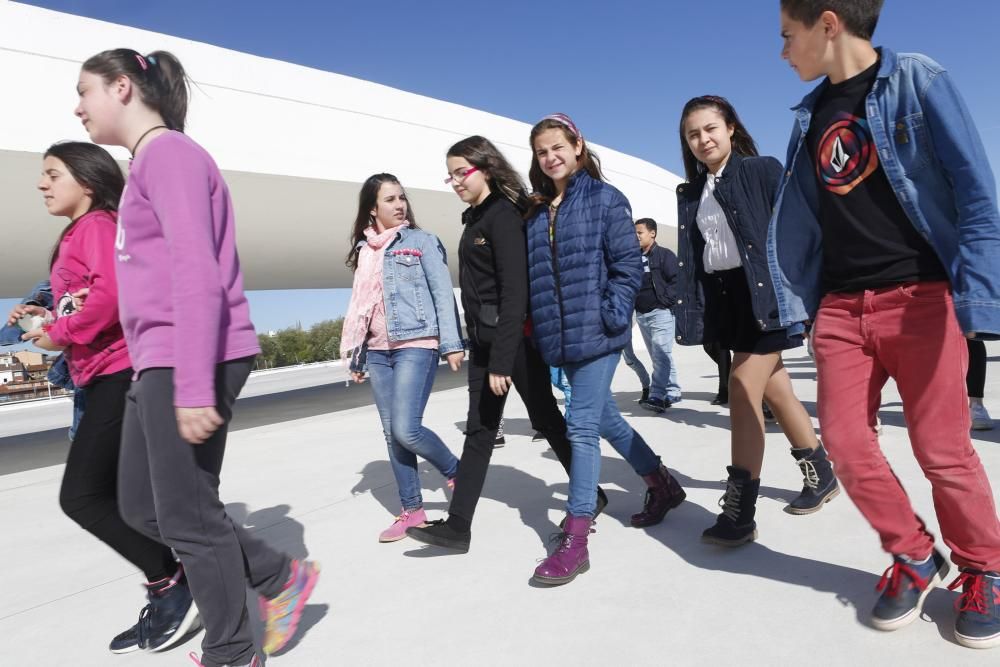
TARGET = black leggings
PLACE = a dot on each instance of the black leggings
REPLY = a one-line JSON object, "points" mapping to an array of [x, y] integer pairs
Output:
{"points": [[531, 380], [723, 360], [975, 379], [89, 493]]}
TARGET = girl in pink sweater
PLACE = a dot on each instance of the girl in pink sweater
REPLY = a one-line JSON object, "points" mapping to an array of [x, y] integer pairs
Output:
{"points": [[82, 182], [187, 323]]}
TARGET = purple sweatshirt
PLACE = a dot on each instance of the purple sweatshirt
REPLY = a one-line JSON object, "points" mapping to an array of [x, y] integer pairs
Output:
{"points": [[180, 286]]}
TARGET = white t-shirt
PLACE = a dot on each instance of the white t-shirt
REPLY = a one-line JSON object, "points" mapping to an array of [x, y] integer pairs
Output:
{"points": [[721, 251]]}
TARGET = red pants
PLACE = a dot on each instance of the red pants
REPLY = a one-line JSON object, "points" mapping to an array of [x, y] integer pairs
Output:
{"points": [[908, 333]]}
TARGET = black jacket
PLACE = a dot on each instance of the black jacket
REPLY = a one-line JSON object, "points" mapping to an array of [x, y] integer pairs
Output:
{"points": [[663, 272], [745, 191], [493, 276]]}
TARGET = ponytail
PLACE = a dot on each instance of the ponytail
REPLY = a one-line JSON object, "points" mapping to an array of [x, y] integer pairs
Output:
{"points": [[158, 76]]}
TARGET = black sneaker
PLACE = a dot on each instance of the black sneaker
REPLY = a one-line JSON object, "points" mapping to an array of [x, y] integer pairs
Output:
{"points": [[170, 615], [538, 437], [126, 642], [721, 399], [904, 586], [439, 534], [656, 405], [645, 395]]}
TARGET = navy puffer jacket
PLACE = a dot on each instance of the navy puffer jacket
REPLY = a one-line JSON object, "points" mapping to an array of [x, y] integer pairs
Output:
{"points": [[583, 286]]}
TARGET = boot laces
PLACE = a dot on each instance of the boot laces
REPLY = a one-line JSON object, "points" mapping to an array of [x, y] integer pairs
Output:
{"points": [[973, 597], [809, 473], [730, 500], [893, 575], [142, 627]]}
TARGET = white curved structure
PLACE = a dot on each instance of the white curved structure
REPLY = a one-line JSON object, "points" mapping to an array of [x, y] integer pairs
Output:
{"points": [[294, 143]]}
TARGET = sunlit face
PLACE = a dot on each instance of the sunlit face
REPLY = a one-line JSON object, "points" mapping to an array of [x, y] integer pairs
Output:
{"points": [[646, 237], [100, 107], [390, 206], [468, 182], [708, 137], [62, 194], [556, 154], [805, 49]]}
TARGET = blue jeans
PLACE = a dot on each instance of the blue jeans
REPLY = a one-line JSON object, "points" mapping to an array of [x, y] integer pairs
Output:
{"points": [[657, 328], [401, 382], [560, 382], [632, 361], [595, 415]]}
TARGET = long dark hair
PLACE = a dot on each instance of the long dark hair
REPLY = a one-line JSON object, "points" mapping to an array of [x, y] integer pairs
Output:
{"points": [[742, 142], [544, 187], [93, 168], [159, 77], [367, 199], [502, 178]]}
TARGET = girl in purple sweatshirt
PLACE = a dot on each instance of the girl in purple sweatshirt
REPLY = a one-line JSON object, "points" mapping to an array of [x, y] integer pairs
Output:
{"points": [[187, 324], [82, 182]]}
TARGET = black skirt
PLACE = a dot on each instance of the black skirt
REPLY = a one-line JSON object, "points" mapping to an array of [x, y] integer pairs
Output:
{"points": [[737, 326]]}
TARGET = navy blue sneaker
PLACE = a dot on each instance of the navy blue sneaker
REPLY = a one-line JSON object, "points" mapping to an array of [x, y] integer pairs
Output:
{"points": [[904, 588], [978, 621], [656, 405], [170, 615]]}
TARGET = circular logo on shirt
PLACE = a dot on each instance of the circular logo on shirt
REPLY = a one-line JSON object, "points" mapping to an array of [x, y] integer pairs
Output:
{"points": [[846, 154]]}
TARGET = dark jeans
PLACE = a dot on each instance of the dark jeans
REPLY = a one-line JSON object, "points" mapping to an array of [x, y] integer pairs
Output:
{"points": [[975, 378], [170, 488], [531, 381], [89, 492]]}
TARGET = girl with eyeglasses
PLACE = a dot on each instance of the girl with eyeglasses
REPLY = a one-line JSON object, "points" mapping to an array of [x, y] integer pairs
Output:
{"points": [[728, 300], [493, 276], [585, 270]]}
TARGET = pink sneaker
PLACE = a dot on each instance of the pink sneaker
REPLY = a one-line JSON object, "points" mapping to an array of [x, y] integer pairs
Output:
{"points": [[406, 519]]}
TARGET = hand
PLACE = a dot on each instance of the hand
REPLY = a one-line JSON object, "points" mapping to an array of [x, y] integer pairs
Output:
{"points": [[41, 340], [455, 360], [500, 384], [20, 310], [80, 298], [358, 377], [196, 425]]}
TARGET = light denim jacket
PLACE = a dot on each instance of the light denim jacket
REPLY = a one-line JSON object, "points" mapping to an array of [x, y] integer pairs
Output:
{"points": [[936, 165], [417, 290]]}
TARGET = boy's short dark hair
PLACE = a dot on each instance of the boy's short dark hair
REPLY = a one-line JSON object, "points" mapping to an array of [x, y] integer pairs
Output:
{"points": [[649, 222], [859, 16]]}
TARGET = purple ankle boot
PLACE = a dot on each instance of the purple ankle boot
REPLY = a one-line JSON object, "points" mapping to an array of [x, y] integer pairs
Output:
{"points": [[570, 558]]}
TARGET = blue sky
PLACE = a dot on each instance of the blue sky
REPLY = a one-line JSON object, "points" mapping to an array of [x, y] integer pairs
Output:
{"points": [[622, 70]]}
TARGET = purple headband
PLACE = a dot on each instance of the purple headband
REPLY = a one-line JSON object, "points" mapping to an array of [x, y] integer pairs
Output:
{"points": [[565, 120]]}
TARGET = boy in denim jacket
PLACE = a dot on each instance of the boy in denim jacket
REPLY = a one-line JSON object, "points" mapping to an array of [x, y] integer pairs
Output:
{"points": [[886, 235]]}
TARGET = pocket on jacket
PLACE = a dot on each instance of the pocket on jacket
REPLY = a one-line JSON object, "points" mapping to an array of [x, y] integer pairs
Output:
{"points": [[408, 267], [908, 136]]}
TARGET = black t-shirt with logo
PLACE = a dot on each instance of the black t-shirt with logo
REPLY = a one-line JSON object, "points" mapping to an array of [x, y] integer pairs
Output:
{"points": [[645, 300], [868, 241]]}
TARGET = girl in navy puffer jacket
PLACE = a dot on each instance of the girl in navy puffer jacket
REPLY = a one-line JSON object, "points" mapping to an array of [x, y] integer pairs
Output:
{"points": [[585, 268]]}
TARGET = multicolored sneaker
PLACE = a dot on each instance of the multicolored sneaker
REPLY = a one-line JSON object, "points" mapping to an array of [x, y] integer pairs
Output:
{"points": [[904, 586], [281, 613], [978, 622], [255, 661], [406, 519]]}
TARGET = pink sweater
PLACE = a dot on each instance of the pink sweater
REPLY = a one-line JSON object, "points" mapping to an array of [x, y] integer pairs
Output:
{"points": [[92, 337], [181, 289]]}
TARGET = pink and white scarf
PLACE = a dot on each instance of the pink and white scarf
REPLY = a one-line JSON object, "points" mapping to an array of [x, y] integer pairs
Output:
{"points": [[366, 291]]}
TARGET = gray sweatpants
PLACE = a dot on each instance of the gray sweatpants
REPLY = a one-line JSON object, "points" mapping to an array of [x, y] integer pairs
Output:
{"points": [[169, 490]]}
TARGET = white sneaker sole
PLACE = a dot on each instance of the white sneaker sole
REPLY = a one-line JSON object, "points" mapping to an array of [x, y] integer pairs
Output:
{"points": [[912, 615], [978, 642], [191, 622]]}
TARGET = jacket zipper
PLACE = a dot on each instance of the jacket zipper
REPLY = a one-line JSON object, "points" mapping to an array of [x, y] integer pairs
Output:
{"points": [[555, 274]]}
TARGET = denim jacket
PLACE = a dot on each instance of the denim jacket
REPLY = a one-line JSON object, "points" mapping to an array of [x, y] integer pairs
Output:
{"points": [[10, 334], [745, 192], [936, 165], [418, 294]]}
